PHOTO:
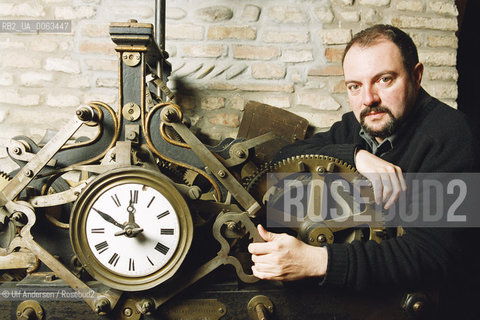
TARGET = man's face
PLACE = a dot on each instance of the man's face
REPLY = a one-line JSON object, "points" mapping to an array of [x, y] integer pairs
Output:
{"points": [[380, 90]]}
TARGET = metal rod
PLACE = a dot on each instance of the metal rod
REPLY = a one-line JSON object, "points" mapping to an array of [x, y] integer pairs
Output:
{"points": [[160, 23], [160, 37]]}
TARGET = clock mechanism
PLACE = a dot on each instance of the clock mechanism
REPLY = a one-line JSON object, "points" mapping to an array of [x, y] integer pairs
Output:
{"points": [[142, 219]]}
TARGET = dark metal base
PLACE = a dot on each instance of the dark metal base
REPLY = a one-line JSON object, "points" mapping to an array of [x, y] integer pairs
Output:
{"points": [[299, 300]]}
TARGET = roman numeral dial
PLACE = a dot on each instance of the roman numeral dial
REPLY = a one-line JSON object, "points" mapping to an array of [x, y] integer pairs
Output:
{"points": [[134, 254], [131, 227]]}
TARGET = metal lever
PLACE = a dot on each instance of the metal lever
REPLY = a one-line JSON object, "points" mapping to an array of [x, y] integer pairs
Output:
{"points": [[218, 170], [28, 314], [261, 312]]}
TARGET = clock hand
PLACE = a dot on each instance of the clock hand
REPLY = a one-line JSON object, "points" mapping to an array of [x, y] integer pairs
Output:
{"points": [[108, 218], [129, 231], [131, 213]]}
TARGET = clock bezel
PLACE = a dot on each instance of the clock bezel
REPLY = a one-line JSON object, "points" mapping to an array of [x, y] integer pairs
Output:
{"points": [[86, 200]]}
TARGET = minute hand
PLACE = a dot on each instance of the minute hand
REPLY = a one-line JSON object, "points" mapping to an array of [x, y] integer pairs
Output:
{"points": [[108, 218]]}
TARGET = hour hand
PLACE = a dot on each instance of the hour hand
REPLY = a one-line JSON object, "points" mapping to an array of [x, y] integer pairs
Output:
{"points": [[131, 213], [108, 218]]}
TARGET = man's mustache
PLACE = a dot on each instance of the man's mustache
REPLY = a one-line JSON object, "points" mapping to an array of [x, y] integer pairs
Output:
{"points": [[367, 110]]}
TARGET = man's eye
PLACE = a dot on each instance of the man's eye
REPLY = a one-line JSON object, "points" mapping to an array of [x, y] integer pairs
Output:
{"points": [[353, 87], [386, 80]]}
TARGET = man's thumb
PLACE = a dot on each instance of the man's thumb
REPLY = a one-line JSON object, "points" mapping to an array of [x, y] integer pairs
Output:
{"points": [[267, 236]]}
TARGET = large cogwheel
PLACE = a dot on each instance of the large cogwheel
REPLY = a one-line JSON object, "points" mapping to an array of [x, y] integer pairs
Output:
{"points": [[273, 182]]}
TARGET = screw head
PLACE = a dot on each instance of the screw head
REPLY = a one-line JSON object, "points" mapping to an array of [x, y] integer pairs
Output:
{"points": [[417, 306], [322, 238], [320, 169], [28, 173], [240, 154], [132, 135], [49, 277], [127, 312]]}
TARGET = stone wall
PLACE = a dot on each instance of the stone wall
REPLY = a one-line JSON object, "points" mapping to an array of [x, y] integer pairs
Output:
{"points": [[281, 52]]}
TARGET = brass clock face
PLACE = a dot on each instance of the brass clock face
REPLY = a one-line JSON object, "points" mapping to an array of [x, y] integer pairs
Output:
{"points": [[131, 228]]}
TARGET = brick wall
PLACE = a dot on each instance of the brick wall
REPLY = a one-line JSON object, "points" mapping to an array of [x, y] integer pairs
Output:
{"points": [[282, 52]]}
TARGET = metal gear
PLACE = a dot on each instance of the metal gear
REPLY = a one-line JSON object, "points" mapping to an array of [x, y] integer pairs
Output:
{"points": [[4, 179], [302, 167], [171, 170], [189, 177], [7, 227]]}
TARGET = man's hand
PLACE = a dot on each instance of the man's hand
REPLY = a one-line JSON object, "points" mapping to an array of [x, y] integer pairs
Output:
{"points": [[387, 179], [283, 257]]}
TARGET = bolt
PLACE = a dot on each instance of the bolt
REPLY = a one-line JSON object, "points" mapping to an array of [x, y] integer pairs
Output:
{"points": [[28, 173], [417, 306], [102, 305], [146, 306], [222, 173], [240, 154], [127, 312], [232, 226], [170, 115], [132, 135], [17, 150], [220, 310], [321, 238], [320, 169], [84, 114], [50, 277], [194, 192]]}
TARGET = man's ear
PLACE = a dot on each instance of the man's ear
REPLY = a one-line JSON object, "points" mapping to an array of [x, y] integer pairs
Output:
{"points": [[417, 74]]}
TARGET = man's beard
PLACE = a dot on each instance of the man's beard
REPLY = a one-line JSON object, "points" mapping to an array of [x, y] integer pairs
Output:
{"points": [[389, 128]]}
